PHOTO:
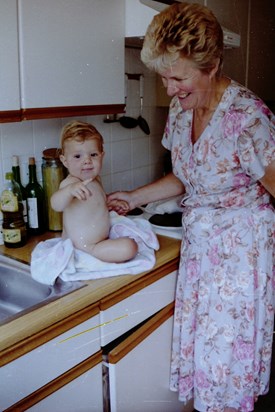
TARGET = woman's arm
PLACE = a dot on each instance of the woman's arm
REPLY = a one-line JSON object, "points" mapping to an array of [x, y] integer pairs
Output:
{"points": [[162, 188]]}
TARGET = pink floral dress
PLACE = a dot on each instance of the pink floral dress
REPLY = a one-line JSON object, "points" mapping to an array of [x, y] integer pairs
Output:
{"points": [[223, 323]]}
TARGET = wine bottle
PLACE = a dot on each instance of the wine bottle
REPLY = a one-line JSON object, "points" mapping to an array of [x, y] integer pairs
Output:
{"points": [[13, 226], [35, 202], [17, 178]]}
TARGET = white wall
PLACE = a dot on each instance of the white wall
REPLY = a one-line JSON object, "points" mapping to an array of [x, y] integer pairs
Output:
{"points": [[132, 158]]}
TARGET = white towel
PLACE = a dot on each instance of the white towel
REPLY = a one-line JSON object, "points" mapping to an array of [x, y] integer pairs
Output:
{"points": [[56, 257], [171, 205]]}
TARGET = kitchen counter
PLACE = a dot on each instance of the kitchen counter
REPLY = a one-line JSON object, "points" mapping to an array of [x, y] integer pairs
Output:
{"points": [[26, 332]]}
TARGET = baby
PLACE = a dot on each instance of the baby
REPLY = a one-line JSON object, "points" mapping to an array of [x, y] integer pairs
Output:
{"points": [[82, 199]]}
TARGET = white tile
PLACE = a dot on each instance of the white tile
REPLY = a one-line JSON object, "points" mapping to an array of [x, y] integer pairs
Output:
{"points": [[141, 176], [107, 160], [46, 135], [140, 152], [121, 156], [122, 181]]}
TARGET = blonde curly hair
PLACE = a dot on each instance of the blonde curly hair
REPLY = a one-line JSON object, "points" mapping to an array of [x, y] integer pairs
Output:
{"points": [[80, 131], [183, 30]]}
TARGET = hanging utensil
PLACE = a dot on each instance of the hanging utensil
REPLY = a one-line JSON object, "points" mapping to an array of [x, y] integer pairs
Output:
{"points": [[127, 121], [140, 120]]}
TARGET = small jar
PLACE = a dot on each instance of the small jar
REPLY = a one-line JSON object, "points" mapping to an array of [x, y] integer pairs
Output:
{"points": [[53, 172], [14, 229]]}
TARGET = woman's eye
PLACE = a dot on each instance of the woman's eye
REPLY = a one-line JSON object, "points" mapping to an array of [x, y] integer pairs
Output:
{"points": [[94, 154], [77, 156]]}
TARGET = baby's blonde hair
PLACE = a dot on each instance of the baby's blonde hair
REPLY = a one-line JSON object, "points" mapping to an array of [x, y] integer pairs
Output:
{"points": [[80, 131], [183, 30]]}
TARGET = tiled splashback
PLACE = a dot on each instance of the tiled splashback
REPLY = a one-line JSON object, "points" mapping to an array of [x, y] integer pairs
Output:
{"points": [[132, 158]]}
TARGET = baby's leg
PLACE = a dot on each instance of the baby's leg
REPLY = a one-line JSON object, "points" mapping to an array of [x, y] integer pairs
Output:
{"points": [[115, 250]]}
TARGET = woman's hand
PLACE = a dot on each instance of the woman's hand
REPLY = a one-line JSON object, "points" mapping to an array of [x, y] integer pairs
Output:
{"points": [[120, 202]]}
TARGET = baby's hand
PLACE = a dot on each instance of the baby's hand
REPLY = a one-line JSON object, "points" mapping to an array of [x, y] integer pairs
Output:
{"points": [[119, 206], [80, 189]]}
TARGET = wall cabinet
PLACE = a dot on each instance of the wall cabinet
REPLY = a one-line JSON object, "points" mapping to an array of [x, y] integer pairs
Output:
{"points": [[71, 52], [71, 57], [9, 67]]}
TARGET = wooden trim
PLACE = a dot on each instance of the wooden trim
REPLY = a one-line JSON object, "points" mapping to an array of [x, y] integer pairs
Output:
{"points": [[121, 350], [139, 284], [70, 111], [47, 334], [59, 111], [56, 384], [10, 116]]}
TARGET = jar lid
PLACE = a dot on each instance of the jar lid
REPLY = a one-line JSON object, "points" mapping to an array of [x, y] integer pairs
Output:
{"points": [[52, 153]]}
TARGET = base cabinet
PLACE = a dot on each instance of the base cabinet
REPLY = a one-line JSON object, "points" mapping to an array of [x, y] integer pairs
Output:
{"points": [[116, 361], [137, 369], [27, 378], [82, 394]]}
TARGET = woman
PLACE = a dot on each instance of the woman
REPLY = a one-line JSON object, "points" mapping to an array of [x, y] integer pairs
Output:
{"points": [[221, 138]]}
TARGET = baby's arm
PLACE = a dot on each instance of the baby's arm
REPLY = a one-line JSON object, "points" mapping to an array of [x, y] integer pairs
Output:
{"points": [[70, 188]]}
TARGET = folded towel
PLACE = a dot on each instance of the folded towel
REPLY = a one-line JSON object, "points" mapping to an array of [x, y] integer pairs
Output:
{"points": [[171, 205], [56, 257]]}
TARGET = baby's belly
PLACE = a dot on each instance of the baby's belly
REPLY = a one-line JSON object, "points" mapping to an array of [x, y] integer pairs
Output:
{"points": [[84, 230]]}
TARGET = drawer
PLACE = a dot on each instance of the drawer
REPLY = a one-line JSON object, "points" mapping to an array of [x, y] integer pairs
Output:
{"points": [[31, 371], [129, 312]]}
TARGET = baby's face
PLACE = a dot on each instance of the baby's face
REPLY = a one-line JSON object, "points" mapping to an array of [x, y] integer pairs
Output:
{"points": [[83, 159]]}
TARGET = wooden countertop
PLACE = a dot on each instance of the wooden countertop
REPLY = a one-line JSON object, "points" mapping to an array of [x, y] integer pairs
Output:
{"points": [[36, 327]]}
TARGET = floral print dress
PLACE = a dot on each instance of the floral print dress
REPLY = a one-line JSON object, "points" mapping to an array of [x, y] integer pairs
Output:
{"points": [[224, 313]]}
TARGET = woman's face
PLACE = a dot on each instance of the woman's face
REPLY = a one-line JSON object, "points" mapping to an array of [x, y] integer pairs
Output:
{"points": [[193, 87]]}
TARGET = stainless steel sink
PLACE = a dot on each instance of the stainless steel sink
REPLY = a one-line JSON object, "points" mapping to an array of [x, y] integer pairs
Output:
{"points": [[20, 293]]}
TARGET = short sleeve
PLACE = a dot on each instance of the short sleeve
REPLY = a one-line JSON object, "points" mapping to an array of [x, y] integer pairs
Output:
{"points": [[256, 142]]}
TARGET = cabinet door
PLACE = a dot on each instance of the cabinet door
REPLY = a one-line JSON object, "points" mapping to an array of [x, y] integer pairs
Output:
{"points": [[71, 52], [9, 67], [83, 393], [139, 369], [37, 368], [129, 312]]}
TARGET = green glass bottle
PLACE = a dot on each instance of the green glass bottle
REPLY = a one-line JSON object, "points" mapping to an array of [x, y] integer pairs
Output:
{"points": [[13, 226], [35, 202], [17, 178]]}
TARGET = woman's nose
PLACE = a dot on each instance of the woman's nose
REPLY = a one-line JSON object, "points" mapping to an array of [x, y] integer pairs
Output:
{"points": [[171, 88]]}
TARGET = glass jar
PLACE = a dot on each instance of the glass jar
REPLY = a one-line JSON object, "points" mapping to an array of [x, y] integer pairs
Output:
{"points": [[53, 172], [13, 226], [14, 229]]}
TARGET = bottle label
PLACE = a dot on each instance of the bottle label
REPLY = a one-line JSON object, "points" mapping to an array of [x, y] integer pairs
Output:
{"points": [[12, 235], [32, 212], [25, 211], [9, 201]]}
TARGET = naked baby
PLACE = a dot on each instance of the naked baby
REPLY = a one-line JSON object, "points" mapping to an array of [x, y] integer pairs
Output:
{"points": [[82, 199]]}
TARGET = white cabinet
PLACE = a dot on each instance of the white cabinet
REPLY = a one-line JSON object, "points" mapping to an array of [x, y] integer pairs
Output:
{"points": [[9, 64], [129, 312], [137, 18], [71, 52], [138, 369], [83, 393], [30, 372]]}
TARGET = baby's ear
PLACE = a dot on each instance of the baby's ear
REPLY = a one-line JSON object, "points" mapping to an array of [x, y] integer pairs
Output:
{"points": [[63, 160]]}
